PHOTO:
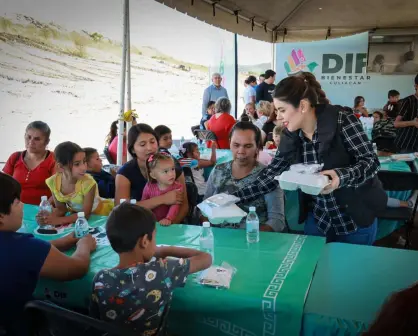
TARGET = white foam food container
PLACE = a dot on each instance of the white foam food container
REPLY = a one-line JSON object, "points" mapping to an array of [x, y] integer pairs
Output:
{"points": [[403, 157], [306, 168], [221, 200], [227, 214], [311, 184]]}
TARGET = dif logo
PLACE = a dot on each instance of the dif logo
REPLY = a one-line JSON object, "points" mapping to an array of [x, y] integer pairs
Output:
{"points": [[350, 64]]}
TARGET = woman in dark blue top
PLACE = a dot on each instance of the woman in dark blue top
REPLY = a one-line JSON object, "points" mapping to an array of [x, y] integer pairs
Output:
{"points": [[131, 178]]}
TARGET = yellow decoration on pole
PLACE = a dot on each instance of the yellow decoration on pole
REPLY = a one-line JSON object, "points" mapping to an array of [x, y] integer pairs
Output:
{"points": [[129, 115]]}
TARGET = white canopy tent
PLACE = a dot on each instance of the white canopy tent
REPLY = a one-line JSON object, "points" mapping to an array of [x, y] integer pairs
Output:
{"points": [[281, 20]]}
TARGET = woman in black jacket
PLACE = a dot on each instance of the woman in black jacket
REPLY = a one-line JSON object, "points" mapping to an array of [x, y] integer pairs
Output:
{"points": [[317, 132]]}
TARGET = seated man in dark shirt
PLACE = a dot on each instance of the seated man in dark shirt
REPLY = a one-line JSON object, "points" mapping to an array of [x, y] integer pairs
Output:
{"points": [[392, 107], [383, 133], [265, 90]]}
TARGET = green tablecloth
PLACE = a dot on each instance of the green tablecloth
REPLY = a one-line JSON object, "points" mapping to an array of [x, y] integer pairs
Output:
{"points": [[266, 297], [351, 283]]}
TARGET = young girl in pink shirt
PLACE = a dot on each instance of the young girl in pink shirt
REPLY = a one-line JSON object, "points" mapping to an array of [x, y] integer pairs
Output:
{"points": [[162, 179]]}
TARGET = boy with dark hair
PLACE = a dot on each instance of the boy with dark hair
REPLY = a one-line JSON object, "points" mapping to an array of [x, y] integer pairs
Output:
{"points": [[392, 107], [24, 258], [104, 180], [165, 138], [137, 292]]}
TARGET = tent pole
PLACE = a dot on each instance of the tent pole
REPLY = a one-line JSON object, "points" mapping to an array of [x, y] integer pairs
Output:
{"points": [[128, 71], [236, 74], [122, 89]]}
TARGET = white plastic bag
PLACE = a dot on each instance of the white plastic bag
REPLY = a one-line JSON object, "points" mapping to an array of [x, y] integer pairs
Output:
{"points": [[217, 276]]}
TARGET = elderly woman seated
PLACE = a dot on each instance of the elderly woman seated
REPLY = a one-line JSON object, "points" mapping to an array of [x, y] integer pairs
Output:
{"points": [[222, 122], [228, 177]]}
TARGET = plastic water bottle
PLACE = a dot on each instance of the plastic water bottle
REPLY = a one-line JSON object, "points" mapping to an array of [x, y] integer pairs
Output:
{"points": [[45, 209], [253, 227], [133, 201], [122, 200], [81, 226], [206, 240]]}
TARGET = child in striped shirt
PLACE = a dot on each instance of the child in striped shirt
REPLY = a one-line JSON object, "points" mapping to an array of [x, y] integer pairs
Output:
{"points": [[162, 179]]}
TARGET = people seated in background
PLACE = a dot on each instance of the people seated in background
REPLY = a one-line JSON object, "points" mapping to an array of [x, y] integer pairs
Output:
{"points": [[277, 133], [112, 141], [210, 111], [392, 107], [269, 126], [222, 122], [72, 189], [24, 258], [165, 137], [132, 176], [359, 109], [144, 276], [104, 180], [244, 169], [384, 132], [34, 165], [190, 150], [398, 315], [264, 111], [161, 180]]}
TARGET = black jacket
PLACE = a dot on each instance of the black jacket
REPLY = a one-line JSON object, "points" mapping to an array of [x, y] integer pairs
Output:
{"points": [[362, 203]]}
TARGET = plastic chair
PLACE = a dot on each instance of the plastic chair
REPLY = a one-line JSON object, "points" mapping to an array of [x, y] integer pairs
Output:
{"points": [[108, 157], [206, 135], [44, 318], [192, 195], [400, 181]]}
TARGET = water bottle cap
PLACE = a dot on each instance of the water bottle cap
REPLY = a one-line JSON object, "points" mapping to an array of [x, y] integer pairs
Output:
{"points": [[122, 200], [252, 209], [206, 224], [44, 198], [80, 214], [133, 201]]}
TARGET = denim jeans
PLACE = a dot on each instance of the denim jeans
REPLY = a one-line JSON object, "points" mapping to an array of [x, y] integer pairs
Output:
{"points": [[363, 235]]}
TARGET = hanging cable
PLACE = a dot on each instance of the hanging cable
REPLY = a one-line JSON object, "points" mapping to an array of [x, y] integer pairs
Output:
{"points": [[252, 23], [328, 33], [265, 26], [192, 2], [214, 3], [236, 12], [284, 34]]}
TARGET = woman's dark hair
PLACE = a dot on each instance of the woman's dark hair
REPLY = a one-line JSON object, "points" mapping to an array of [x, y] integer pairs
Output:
{"points": [[211, 102], [65, 152], [113, 133], [295, 88], [398, 315], [273, 117], [89, 152], [245, 126], [244, 117], [162, 130], [10, 190], [41, 127], [127, 223], [187, 148], [357, 101], [135, 132], [250, 79]]}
